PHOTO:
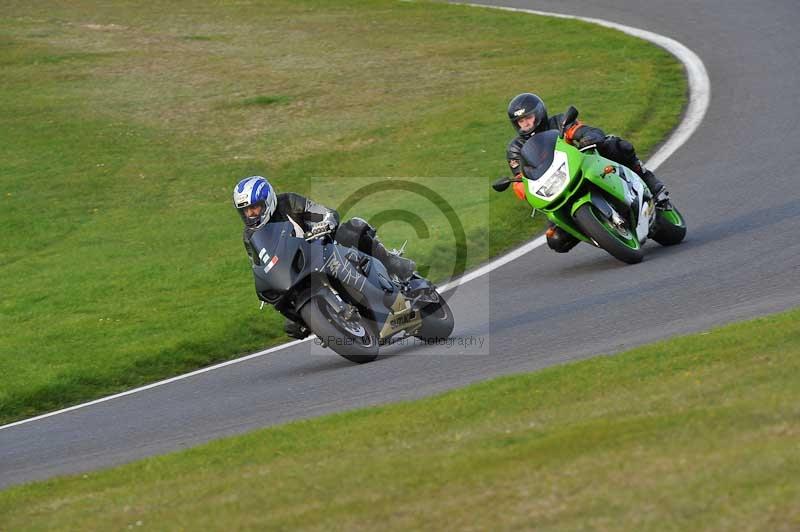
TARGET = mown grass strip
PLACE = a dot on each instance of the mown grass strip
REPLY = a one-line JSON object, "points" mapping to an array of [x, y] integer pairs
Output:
{"points": [[695, 433], [126, 125]]}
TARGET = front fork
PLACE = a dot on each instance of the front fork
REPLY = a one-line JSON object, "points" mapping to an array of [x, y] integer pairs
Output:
{"points": [[600, 203]]}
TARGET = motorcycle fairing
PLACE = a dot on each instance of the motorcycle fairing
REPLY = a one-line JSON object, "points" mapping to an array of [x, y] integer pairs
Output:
{"points": [[290, 269]]}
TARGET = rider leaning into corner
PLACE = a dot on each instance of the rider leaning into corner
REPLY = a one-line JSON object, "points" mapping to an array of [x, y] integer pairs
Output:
{"points": [[528, 115], [258, 203]]}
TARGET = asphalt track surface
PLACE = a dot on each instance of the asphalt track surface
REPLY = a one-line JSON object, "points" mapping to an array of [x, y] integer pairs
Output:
{"points": [[735, 181]]}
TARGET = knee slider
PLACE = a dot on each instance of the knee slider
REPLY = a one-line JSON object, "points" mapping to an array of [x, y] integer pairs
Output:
{"points": [[560, 241], [626, 149]]}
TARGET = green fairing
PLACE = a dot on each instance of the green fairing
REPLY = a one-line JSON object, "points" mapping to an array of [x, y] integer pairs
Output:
{"points": [[565, 221], [594, 165], [574, 159]]}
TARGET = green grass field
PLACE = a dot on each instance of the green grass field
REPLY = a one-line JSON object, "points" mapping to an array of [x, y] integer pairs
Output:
{"points": [[695, 433], [125, 126]]}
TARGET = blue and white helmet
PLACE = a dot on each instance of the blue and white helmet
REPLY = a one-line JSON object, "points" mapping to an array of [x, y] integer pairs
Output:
{"points": [[254, 191]]}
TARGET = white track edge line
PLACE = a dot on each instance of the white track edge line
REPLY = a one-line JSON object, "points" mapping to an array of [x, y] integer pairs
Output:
{"points": [[699, 99], [496, 263], [159, 383]]}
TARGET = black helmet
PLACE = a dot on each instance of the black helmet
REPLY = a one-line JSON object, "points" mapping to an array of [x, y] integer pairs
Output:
{"points": [[527, 104]]}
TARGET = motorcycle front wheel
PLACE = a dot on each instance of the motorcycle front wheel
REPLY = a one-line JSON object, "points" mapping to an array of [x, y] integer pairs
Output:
{"points": [[353, 338], [622, 244]]}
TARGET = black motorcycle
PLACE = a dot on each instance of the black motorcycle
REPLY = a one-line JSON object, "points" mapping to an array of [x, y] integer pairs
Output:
{"points": [[344, 296]]}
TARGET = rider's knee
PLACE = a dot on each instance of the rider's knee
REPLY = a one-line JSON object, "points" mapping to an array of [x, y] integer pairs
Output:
{"points": [[619, 150], [355, 232], [560, 241]]}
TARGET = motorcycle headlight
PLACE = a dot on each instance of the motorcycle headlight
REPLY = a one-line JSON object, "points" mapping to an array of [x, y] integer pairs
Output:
{"points": [[553, 183]]}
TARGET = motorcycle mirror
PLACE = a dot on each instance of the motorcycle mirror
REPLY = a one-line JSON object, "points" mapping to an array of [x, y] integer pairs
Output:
{"points": [[569, 118], [501, 184]]}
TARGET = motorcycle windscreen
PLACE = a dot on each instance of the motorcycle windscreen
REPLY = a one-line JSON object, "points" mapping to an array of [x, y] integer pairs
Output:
{"points": [[537, 154], [266, 239]]}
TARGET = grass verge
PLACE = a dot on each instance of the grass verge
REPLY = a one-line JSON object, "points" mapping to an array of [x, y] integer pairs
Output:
{"points": [[695, 433], [126, 125]]}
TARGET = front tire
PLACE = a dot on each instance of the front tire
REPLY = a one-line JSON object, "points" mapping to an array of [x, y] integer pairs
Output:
{"points": [[437, 321], [352, 339], [624, 247]]}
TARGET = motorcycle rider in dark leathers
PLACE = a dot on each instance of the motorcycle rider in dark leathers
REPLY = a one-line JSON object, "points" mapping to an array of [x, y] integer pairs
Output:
{"points": [[258, 203], [528, 115]]}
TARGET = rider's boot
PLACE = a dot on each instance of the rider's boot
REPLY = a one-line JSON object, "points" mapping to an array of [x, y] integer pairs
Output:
{"points": [[657, 188], [395, 264], [559, 240], [294, 329]]}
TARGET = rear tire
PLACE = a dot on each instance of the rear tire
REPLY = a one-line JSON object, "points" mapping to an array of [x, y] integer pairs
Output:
{"points": [[670, 227], [602, 231], [353, 340], [437, 321]]}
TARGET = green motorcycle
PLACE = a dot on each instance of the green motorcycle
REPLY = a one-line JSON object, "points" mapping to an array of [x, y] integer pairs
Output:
{"points": [[594, 199]]}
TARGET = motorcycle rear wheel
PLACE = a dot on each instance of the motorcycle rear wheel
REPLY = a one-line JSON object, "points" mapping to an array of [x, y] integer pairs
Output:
{"points": [[352, 339], [437, 321], [670, 227], [623, 247]]}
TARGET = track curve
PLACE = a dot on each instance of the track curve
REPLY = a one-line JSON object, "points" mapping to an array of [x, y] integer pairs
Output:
{"points": [[733, 181]]}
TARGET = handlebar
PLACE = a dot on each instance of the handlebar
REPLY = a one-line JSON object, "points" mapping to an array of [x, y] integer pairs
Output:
{"points": [[313, 236]]}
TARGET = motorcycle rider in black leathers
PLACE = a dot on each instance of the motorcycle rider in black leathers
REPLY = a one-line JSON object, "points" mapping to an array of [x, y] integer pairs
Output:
{"points": [[258, 203], [528, 115]]}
